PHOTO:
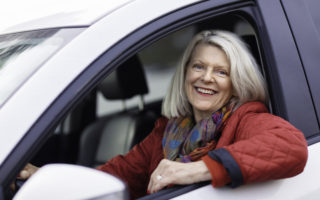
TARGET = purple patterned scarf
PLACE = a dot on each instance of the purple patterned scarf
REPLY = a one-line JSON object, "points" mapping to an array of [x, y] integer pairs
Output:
{"points": [[186, 141]]}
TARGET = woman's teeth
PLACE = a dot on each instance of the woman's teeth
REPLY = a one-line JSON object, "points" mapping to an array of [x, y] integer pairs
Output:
{"points": [[205, 91]]}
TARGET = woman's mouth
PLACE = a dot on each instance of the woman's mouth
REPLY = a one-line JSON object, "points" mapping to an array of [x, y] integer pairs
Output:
{"points": [[205, 91]]}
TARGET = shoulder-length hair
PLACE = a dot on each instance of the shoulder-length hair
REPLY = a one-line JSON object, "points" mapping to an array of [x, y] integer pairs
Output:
{"points": [[247, 80]]}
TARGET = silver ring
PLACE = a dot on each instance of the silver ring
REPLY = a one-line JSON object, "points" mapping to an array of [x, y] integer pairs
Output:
{"points": [[159, 177]]}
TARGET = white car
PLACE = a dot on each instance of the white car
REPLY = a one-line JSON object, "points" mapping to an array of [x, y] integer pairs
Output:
{"points": [[76, 86]]}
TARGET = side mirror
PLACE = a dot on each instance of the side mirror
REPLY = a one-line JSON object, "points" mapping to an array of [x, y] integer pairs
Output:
{"points": [[65, 181]]}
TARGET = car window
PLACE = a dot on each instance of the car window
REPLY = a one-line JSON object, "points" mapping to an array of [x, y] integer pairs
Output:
{"points": [[159, 61], [161, 58], [16, 49]]}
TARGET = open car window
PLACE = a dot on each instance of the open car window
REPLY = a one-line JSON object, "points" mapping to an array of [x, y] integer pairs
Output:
{"points": [[159, 61]]}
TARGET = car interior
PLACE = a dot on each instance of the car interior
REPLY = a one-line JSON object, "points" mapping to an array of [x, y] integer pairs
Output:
{"points": [[122, 109], [100, 141]]}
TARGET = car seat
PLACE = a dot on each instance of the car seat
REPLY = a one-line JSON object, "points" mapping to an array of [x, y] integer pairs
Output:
{"points": [[118, 133]]}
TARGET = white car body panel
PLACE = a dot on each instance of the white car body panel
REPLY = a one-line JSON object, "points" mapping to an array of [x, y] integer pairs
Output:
{"points": [[304, 186], [80, 13]]}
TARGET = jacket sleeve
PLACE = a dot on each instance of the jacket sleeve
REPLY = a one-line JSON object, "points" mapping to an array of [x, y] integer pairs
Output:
{"points": [[134, 166], [265, 147]]}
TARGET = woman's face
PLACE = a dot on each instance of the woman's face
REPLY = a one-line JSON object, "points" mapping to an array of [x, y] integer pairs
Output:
{"points": [[207, 84]]}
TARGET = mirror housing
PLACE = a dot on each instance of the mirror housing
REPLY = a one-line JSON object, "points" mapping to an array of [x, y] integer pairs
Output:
{"points": [[65, 181]]}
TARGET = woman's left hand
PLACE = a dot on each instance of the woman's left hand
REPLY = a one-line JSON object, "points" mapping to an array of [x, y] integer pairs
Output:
{"points": [[172, 172]]}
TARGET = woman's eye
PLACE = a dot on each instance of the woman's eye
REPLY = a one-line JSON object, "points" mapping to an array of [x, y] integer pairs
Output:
{"points": [[198, 67], [222, 73]]}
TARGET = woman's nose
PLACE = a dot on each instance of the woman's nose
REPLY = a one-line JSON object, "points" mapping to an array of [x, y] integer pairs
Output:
{"points": [[207, 76]]}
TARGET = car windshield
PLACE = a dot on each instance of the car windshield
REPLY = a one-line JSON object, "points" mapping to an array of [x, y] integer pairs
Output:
{"points": [[21, 54]]}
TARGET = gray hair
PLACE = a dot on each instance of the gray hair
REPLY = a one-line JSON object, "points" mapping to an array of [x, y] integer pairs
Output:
{"points": [[247, 80]]}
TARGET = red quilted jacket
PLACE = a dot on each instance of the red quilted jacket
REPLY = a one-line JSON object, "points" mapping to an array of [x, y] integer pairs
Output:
{"points": [[254, 146]]}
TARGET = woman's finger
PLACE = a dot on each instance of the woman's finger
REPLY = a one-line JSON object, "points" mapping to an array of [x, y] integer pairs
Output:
{"points": [[171, 172], [24, 174], [27, 171], [159, 178], [154, 180]]}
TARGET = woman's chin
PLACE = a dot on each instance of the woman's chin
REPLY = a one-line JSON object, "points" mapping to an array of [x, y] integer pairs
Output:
{"points": [[204, 111]]}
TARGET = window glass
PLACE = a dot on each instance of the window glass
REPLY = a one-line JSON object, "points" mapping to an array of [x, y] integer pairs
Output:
{"points": [[22, 53]]}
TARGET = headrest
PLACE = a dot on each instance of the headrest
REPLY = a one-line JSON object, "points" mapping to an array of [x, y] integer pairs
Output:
{"points": [[125, 82]]}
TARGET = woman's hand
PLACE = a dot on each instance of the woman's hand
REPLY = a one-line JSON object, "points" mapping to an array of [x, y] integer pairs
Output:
{"points": [[24, 174], [27, 171], [172, 172]]}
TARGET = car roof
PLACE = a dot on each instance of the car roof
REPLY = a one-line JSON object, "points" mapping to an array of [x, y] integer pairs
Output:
{"points": [[80, 14]]}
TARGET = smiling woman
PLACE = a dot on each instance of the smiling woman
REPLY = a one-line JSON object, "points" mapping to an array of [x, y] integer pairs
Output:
{"points": [[215, 120]]}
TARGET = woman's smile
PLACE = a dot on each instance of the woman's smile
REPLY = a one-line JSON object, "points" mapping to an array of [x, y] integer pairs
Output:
{"points": [[205, 91]]}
